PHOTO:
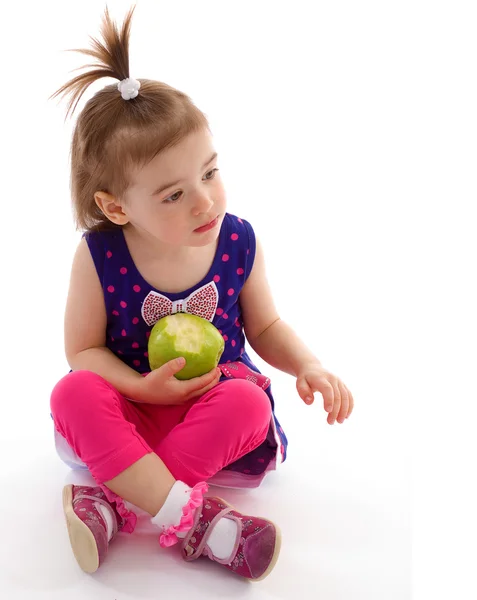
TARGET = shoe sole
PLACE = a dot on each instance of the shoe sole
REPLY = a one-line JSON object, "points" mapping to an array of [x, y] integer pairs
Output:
{"points": [[82, 540], [276, 552]]}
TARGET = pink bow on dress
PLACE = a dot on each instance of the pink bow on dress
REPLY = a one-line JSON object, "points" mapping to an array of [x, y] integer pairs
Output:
{"points": [[203, 303]]}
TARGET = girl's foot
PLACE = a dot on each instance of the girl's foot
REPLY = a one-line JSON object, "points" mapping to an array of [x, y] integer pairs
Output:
{"points": [[255, 549], [209, 526], [92, 523]]}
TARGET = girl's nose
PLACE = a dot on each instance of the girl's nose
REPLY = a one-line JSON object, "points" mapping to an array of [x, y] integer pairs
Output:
{"points": [[202, 204]]}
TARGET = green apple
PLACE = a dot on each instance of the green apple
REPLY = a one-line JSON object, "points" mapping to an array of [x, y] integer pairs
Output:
{"points": [[190, 336]]}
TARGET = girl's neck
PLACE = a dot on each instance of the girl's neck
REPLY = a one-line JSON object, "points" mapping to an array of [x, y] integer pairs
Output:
{"points": [[147, 248], [151, 249]]}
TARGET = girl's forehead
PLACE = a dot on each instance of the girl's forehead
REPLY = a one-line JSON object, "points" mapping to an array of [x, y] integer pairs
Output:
{"points": [[194, 148], [185, 158]]}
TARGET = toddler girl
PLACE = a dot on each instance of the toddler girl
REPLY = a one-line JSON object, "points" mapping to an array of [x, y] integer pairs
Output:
{"points": [[158, 240]]}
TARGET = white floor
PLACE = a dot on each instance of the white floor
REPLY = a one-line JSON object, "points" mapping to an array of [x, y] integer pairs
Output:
{"points": [[341, 499]]}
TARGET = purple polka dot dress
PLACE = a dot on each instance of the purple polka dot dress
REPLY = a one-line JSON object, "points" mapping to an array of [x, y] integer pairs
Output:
{"points": [[133, 306]]}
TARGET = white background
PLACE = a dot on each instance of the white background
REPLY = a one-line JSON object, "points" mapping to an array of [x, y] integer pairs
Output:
{"points": [[347, 137]]}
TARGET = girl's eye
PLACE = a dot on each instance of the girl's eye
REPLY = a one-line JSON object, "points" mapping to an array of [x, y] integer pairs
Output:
{"points": [[175, 197], [211, 173]]}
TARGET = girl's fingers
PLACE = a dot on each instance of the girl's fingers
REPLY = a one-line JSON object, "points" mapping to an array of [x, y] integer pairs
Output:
{"points": [[326, 390], [304, 390], [198, 383], [336, 403], [344, 403], [351, 404], [204, 389]]}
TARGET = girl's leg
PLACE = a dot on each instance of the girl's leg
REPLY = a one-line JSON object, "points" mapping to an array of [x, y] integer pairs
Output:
{"points": [[108, 433], [146, 483], [104, 430], [229, 421], [226, 423]]}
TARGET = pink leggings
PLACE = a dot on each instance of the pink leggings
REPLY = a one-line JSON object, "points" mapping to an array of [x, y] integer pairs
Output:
{"points": [[194, 440]]}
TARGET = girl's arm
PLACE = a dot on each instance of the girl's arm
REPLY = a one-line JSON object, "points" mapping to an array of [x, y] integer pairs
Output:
{"points": [[278, 345], [85, 328]]}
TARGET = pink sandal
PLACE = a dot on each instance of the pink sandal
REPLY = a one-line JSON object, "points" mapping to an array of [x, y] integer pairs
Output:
{"points": [[87, 526], [256, 547]]}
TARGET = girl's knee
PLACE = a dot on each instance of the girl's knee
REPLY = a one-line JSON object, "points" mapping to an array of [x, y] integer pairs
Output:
{"points": [[75, 392], [247, 401]]}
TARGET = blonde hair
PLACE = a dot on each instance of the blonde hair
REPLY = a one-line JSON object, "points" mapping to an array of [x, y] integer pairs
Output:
{"points": [[112, 135]]}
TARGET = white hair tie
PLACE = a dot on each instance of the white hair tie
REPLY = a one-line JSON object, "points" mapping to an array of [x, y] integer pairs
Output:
{"points": [[129, 88]]}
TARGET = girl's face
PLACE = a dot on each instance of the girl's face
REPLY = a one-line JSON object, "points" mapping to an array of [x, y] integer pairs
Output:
{"points": [[179, 191]]}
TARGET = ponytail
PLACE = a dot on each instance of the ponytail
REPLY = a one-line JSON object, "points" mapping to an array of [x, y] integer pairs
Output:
{"points": [[112, 56]]}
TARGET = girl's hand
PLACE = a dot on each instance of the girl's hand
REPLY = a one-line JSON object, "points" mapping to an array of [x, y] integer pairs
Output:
{"points": [[161, 387], [338, 400]]}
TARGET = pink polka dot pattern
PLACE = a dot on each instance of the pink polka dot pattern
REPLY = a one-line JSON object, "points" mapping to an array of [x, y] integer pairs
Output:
{"points": [[137, 288], [115, 313], [216, 278], [135, 321], [109, 253], [110, 289], [240, 271], [225, 316], [240, 221], [136, 363], [234, 237], [148, 333], [123, 304], [123, 270], [219, 311], [231, 292], [248, 251], [123, 333], [233, 342], [225, 257], [146, 354], [135, 345], [226, 337]]}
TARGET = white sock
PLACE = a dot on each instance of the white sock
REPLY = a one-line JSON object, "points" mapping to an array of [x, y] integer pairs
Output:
{"points": [[108, 517], [222, 539], [171, 511]]}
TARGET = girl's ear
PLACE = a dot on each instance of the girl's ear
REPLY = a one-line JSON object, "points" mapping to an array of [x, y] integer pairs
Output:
{"points": [[109, 205]]}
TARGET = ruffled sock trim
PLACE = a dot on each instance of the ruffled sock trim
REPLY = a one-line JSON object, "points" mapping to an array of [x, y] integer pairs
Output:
{"points": [[129, 518], [169, 537]]}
